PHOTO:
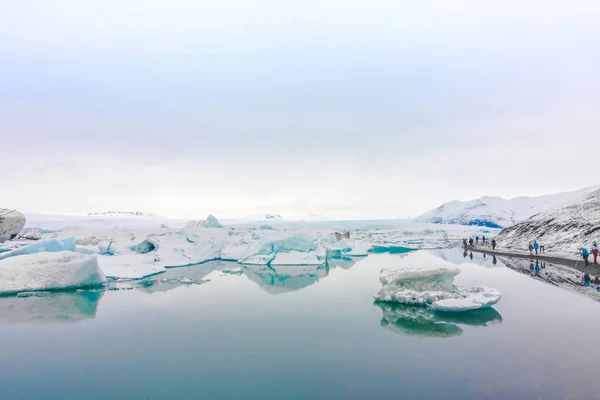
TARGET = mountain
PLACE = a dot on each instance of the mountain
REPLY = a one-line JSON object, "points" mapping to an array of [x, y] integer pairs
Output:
{"points": [[496, 212], [264, 217], [561, 231], [121, 214]]}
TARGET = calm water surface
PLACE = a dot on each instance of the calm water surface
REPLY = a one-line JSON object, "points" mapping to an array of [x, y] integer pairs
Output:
{"points": [[301, 333]]}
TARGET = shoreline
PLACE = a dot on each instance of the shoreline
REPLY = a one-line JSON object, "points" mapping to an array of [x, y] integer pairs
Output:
{"points": [[592, 269]]}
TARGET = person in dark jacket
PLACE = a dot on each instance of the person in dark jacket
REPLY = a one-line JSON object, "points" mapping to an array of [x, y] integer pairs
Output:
{"points": [[477, 240], [493, 244], [483, 239], [530, 249], [585, 254], [471, 241]]}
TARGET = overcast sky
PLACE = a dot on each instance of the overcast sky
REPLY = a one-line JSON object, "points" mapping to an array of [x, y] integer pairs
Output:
{"points": [[351, 109]]}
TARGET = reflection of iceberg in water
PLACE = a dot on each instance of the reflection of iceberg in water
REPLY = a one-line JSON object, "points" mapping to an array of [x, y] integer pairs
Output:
{"points": [[341, 262], [176, 277], [419, 321], [283, 279], [50, 307]]}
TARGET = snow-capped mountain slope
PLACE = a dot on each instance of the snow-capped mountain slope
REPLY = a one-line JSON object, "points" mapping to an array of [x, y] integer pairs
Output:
{"points": [[496, 212], [561, 231]]}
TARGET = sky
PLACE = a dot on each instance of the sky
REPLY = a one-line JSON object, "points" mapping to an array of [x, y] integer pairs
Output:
{"points": [[347, 109]]}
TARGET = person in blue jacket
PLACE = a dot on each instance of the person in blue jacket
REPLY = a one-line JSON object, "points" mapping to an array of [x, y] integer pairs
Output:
{"points": [[585, 254], [536, 246]]}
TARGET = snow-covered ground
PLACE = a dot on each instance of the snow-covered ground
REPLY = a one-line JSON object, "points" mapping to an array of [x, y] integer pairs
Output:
{"points": [[497, 212], [138, 247], [563, 231]]}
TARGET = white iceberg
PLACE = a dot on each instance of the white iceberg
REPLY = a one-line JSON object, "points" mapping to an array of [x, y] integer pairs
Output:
{"points": [[258, 259], [129, 266], [11, 223], [297, 258], [475, 298], [49, 245], [433, 287], [210, 222], [47, 271]]}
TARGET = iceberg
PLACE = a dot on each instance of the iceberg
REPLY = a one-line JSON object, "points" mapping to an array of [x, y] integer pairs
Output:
{"points": [[477, 297], [433, 287], [50, 245], [129, 266], [11, 223], [293, 243], [49, 271], [296, 258], [210, 222], [258, 259]]}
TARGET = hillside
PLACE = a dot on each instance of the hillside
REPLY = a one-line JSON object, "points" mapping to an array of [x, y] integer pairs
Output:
{"points": [[562, 231], [496, 212]]}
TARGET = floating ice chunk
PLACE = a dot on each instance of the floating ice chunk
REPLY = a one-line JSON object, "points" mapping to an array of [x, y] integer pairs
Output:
{"points": [[296, 258], [293, 243], [129, 266], [11, 223], [258, 259], [210, 222], [50, 245], [477, 297], [144, 247], [31, 234], [45, 271], [433, 286], [360, 249], [106, 248]]}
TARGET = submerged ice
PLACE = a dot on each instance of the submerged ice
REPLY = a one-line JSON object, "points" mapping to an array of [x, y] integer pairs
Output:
{"points": [[433, 287]]}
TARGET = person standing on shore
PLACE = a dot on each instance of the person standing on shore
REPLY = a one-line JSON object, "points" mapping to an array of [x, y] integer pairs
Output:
{"points": [[493, 244], [595, 252], [536, 246], [471, 241], [477, 240], [585, 254], [483, 239], [530, 249]]}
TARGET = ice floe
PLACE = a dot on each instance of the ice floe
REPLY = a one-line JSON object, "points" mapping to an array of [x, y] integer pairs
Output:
{"points": [[46, 271], [433, 287]]}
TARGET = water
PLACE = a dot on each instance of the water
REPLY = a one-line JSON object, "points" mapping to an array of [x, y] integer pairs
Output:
{"points": [[313, 333]]}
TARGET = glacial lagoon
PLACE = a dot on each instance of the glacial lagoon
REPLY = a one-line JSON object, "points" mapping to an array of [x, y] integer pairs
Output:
{"points": [[216, 330]]}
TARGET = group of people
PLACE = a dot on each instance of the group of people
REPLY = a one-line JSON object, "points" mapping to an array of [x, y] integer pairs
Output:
{"points": [[587, 281], [535, 246], [471, 242], [586, 254]]}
